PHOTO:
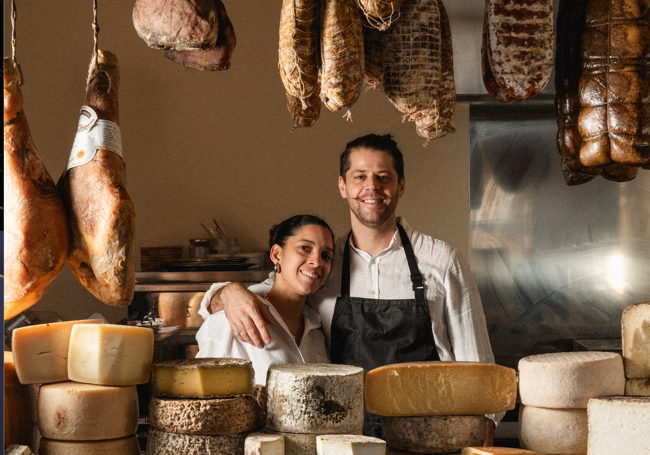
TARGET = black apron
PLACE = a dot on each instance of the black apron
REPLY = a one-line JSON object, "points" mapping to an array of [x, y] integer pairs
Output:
{"points": [[370, 333]]}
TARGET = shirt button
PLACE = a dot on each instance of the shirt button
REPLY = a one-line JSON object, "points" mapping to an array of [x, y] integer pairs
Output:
{"points": [[372, 292]]}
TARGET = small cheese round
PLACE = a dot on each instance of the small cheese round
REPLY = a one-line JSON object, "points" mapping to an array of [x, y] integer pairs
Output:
{"points": [[556, 431], [164, 443], [435, 434], [314, 398], [217, 416], [121, 446], [297, 443], [72, 411], [264, 444], [569, 379]]}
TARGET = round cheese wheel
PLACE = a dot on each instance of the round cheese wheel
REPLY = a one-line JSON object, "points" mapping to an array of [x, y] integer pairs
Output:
{"points": [[121, 446], [314, 398], [556, 431], [435, 434], [72, 411], [164, 443], [569, 379]]}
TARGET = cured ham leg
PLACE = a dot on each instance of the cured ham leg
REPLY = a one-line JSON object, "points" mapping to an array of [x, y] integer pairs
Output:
{"points": [[100, 211], [36, 229]]}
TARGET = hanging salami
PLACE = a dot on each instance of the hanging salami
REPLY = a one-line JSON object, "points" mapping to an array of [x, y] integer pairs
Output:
{"points": [[373, 53], [380, 14]]}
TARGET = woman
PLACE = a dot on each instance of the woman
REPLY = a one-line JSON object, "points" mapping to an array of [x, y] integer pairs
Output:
{"points": [[302, 248]]}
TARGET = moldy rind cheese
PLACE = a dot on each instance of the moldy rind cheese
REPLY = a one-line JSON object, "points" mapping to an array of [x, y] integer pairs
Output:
{"points": [[203, 378], [109, 354], [619, 425], [314, 398], [219, 416], [347, 444], [435, 434], [637, 387], [264, 444], [553, 431], [121, 446], [440, 388], [71, 411], [41, 351], [569, 379], [163, 443], [635, 328]]}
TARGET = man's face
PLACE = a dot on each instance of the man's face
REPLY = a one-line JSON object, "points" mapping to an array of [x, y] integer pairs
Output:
{"points": [[371, 186]]}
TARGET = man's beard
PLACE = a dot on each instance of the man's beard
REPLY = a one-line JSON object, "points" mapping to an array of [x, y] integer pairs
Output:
{"points": [[373, 217]]}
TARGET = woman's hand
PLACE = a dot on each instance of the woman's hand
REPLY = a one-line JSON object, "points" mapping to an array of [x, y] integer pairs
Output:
{"points": [[246, 314]]}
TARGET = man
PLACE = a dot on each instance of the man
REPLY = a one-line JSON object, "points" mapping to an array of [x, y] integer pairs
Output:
{"points": [[393, 295]]}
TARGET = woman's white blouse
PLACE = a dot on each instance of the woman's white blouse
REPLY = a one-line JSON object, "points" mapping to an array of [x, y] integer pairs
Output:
{"points": [[216, 339]]}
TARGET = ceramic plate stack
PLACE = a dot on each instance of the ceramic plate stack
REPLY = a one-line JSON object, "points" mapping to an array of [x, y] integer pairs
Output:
{"points": [[151, 258]]}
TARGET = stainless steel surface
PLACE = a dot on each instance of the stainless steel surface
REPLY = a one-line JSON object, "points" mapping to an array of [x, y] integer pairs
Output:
{"points": [[553, 263], [248, 276]]}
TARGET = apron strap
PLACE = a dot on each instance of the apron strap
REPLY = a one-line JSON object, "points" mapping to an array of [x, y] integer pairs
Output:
{"points": [[416, 277]]}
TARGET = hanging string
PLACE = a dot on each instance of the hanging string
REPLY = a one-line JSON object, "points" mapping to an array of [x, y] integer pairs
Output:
{"points": [[95, 29], [13, 40]]}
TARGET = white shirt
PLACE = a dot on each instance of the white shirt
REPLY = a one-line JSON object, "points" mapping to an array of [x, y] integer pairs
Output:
{"points": [[216, 339], [457, 318]]}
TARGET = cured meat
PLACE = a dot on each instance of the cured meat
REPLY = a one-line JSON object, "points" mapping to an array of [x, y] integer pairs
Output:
{"points": [[373, 54], [100, 212], [490, 83], [181, 25], [413, 58], [299, 59], [614, 87], [216, 59], [437, 122], [520, 41], [35, 225], [342, 55], [380, 14]]}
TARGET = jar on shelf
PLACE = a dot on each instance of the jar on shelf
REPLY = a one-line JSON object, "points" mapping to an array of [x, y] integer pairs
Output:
{"points": [[199, 248]]}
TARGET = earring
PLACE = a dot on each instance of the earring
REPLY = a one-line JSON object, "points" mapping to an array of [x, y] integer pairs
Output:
{"points": [[276, 267]]}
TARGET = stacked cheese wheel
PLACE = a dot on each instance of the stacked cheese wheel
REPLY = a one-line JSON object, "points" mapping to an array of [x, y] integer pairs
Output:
{"points": [[439, 407], [87, 403], [314, 409], [555, 390], [206, 405]]}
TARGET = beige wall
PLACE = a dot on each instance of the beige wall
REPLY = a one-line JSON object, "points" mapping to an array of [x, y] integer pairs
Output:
{"points": [[202, 145]]}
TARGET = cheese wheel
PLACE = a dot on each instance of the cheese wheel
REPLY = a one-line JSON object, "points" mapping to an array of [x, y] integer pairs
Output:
{"points": [[440, 388], [569, 379], [164, 443], [435, 434], [314, 398], [637, 387], [556, 431], [264, 444], [297, 443], [216, 416], [20, 408], [109, 354], [619, 425], [347, 444], [41, 351], [203, 378], [635, 330], [121, 446], [72, 411], [496, 451]]}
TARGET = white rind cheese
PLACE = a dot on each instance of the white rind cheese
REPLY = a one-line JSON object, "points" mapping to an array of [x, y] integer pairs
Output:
{"points": [[314, 398], [635, 330], [440, 388], [435, 434], [109, 354], [619, 426], [346, 444], [41, 351], [637, 387], [569, 379], [164, 443], [553, 431], [496, 451], [211, 416], [72, 411], [203, 378], [122, 446], [264, 444]]}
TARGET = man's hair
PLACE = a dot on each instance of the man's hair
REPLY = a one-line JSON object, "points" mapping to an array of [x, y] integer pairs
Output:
{"points": [[383, 143]]}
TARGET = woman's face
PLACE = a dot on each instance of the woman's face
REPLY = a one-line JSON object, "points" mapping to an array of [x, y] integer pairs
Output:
{"points": [[306, 260]]}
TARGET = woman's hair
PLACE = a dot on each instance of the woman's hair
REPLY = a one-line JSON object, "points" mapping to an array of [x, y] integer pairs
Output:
{"points": [[279, 233], [383, 143]]}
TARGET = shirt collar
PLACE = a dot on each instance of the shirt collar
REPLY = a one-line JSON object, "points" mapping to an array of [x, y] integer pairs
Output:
{"points": [[395, 242]]}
